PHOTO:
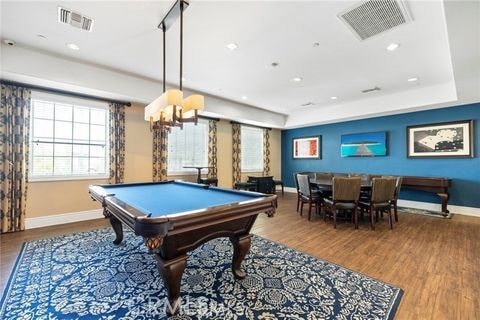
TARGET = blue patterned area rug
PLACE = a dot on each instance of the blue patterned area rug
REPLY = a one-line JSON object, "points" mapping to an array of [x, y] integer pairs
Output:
{"points": [[85, 276]]}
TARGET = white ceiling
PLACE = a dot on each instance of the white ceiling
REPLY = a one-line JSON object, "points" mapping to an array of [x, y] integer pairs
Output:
{"points": [[125, 39]]}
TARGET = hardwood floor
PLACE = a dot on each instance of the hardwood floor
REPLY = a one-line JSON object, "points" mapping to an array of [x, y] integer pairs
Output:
{"points": [[436, 261]]}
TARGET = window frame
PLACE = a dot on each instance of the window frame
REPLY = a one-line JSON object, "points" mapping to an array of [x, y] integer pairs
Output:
{"points": [[190, 172], [255, 170], [73, 101]]}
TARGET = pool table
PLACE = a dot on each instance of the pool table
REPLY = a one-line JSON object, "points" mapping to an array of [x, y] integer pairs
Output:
{"points": [[175, 217]]}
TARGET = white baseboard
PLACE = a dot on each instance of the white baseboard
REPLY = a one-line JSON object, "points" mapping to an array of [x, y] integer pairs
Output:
{"points": [[468, 211], [38, 222]]}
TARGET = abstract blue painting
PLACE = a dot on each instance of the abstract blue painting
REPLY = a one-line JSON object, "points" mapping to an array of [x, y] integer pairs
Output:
{"points": [[368, 144]]}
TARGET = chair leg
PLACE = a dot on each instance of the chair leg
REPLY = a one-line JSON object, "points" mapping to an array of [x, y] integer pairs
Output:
{"points": [[390, 218], [301, 208], [298, 202], [309, 210], [282, 188], [334, 212], [372, 218], [355, 217], [396, 211]]}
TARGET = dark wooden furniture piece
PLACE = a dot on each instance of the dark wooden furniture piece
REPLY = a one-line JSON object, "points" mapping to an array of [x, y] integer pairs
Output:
{"points": [[248, 186], [199, 169], [345, 195], [264, 184], [209, 181], [279, 183], [306, 195], [430, 184], [176, 217], [383, 192]]}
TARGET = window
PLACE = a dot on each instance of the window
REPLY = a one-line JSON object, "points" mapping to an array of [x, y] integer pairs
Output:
{"points": [[187, 147], [252, 149], [68, 138]]}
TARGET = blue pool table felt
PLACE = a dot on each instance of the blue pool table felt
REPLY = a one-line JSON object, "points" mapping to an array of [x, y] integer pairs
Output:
{"points": [[169, 198]]}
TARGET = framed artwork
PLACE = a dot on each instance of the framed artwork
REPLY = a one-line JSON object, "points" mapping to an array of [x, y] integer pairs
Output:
{"points": [[369, 144], [307, 148], [447, 139]]}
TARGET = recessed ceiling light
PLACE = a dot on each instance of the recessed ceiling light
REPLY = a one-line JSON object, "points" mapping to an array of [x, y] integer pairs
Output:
{"points": [[232, 46], [297, 79], [244, 97], [412, 79], [9, 42], [72, 46], [392, 46], [333, 98]]}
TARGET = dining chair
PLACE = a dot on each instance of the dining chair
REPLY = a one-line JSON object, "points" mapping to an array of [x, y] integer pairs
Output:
{"points": [[308, 196], [383, 191], [345, 196], [393, 202], [298, 190]]}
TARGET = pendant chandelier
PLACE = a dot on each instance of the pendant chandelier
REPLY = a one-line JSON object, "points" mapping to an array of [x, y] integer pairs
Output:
{"points": [[171, 109]]}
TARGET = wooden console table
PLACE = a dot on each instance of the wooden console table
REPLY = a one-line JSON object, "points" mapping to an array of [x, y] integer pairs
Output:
{"points": [[437, 185]]}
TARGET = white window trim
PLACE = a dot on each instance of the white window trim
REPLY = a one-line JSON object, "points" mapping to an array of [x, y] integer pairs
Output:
{"points": [[40, 95]]}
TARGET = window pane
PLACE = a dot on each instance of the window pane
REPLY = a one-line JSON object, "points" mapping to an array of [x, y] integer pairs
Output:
{"points": [[68, 128], [80, 165], [97, 165], [97, 116], [80, 150], [97, 151], [252, 149], [63, 112], [80, 132], [42, 129], [63, 131], [43, 149], [63, 150], [81, 114], [97, 133], [187, 147], [43, 166], [43, 110], [63, 166]]}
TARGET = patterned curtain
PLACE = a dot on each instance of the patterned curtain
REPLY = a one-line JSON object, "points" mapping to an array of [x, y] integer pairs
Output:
{"points": [[117, 142], [236, 152], [266, 152], [160, 152], [212, 149], [14, 145]]}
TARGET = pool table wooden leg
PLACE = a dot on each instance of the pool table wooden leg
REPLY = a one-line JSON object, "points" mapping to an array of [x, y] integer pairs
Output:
{"points": [[117, 227], [172, 271], [241, 245]]}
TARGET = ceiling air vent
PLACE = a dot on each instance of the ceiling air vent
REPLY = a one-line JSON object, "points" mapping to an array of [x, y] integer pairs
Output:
{"points": [[75, 19], [371, 90], [372, 17]]}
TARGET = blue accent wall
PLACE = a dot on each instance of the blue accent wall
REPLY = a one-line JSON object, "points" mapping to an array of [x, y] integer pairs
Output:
{"points": [[464, 172]]}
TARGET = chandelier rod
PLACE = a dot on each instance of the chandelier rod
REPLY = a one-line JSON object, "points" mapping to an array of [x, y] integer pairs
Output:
{"points": [[181, 45]]}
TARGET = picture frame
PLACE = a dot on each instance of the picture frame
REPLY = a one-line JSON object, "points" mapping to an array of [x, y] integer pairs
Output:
{"points": [[307, 147], [365, 144], [441, 140]]}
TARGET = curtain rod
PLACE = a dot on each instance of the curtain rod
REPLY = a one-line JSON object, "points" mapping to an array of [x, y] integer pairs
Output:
{"points": [[64, 92], [249, 125], [208, 118]]}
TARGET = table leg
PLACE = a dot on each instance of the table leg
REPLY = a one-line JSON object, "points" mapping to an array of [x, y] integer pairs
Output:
{"points": [[117, 227], [199, 176], [241, 244], [172, 271], [444, 198]]}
